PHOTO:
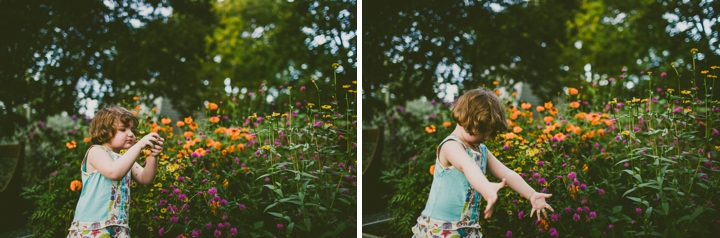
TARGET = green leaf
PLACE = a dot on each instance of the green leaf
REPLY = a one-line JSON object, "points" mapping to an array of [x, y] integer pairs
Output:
{"points": [[257, 225], [276, 214], [629, 191]]}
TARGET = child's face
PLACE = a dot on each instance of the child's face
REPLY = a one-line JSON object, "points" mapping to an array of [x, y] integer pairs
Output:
{"points": [[124, 137]]}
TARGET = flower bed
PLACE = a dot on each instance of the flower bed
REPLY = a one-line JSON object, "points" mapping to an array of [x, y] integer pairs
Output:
{"points": [[235, 172], [644, 166]]}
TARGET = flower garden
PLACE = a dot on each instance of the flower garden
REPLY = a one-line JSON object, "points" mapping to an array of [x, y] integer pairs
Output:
{"points": [[242, 167], [619, 162]]}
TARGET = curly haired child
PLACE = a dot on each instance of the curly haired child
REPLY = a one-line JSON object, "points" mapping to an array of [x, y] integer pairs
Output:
{"points": [[459, 181], [102, 209]]}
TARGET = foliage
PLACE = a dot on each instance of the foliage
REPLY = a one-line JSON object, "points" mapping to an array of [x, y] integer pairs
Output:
{"points": [[644, 166], [288, 173], [418, 48]]}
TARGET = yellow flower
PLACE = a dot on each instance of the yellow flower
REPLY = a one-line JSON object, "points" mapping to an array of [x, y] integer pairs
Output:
{"points": [[354, 82], [284, 115], [328, 124], [686, 92], [312, 79], [649, 72], [585, 168], [311, 104], [225, 183], [265, 147], [672, 64], [289, 87], [162, 210], [346, 86], [670, 90], [335, 65], [694, 50], [626, 133], [326, 107], [687, 110], [158, 185], [275, 114]]}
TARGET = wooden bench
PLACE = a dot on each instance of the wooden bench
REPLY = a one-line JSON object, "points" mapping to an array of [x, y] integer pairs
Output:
{"points": [[11, 203]]}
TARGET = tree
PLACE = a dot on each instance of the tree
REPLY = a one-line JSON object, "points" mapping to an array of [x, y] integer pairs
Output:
{"points": [[412, 47], [53, 53]]}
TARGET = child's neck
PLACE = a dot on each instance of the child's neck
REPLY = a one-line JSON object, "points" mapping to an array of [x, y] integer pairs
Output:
{"points": [[107, 145]]}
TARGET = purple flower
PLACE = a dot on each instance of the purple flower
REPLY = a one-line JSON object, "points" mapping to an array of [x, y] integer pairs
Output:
{"points": [[572, 175], [592, 215], [610, 226], [233, 231], [212, 191], [181, 178], [540, 163], [174, 219], [161, 231], [601, 191], [217, 233], [508, 234], [182, 197], [541, 181], [195, 234], [220, 225], [241, 206], [209, 225], [279, 225], [638, 210], [583, 186], [162, 202], [553, 232], [576, 217]]}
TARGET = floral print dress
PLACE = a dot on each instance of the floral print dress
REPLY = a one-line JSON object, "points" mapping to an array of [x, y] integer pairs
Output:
{"points": [[102, 210]]}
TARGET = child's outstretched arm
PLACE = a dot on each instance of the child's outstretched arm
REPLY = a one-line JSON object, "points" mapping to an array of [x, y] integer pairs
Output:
{"points": [[117, 169], [458, 158], [517, 183], [147, 174]]}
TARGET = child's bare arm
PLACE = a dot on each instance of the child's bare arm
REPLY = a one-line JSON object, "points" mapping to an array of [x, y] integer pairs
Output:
{"points": [[517, 183], [514, 180], [458, 158], [116, 169], [147, 174]]}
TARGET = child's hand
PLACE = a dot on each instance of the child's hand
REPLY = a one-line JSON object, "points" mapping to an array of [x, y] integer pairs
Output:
{"points": [[149, 140], [157, 147], [492, 197], [538, 204]]}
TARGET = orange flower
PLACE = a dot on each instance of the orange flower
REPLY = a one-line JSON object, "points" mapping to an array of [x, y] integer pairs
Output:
{"points": [[75, 185], [156, 129], [514, 94], [220, 130], [496, 82], [577, 130], [574, 104], [553, 111], [601, 132], [166, 121], [447, 124], [136, 98], [430, 129], [71, 145], [188, 120], [517, 129], [548, 119], [225, 183], [540, 108], [549, 105], [572, 91], [193, 126], [241, 147], [87, 140], [560, 136], [432, 169], [526, 106], [212, 106], [200, 151], [497, 92], [509, 136], [214, 119], [188, 134], [180, 123]]}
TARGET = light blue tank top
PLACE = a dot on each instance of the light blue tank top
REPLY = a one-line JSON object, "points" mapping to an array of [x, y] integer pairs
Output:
{"points": [[452, 199], [103, 202]]}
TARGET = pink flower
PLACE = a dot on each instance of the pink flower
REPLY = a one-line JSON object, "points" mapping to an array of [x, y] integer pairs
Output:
{"points": [[161, 231], [279, 225], [241, 206]]}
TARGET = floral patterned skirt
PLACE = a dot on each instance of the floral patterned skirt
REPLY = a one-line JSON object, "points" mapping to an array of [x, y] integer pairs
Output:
{"points": [[432, 228], [106, 232]]}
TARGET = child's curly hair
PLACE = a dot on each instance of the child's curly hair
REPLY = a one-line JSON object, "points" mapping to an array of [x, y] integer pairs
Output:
{"points": [[103, 126], [479, 111]]}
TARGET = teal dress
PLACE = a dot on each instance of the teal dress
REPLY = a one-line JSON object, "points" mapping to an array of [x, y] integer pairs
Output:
{"points": [[452, 206], [103, 203]]}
